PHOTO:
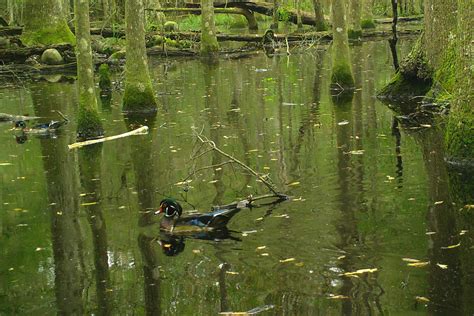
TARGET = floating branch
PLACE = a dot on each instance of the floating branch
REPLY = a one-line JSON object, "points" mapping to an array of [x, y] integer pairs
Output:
{"points": [[264, 179], [139, 131], [4, 117]]}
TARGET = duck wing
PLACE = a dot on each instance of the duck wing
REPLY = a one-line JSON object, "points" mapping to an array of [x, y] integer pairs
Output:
{"points": [[215, 219]]}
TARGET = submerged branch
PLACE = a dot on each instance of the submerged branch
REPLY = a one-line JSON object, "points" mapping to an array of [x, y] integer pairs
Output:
{"points": [[203, 139]]}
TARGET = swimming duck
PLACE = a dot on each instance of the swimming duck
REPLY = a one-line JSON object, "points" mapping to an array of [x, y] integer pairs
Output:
{"points": [[43, 128], [173, 222]]}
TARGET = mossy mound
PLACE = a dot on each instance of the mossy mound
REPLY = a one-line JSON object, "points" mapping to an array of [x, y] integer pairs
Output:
{"points": [[105, 83], [52, 57], [59, 34], [89, 125], [354, 34], [367, 24], [139, 98], [171, 26], [460, 134], [342, 76]]}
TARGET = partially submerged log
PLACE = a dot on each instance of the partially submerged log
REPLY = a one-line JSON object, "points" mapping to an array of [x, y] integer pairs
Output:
{"points": [[21, 54], [4, 117], [139, 131], [252, 22]]}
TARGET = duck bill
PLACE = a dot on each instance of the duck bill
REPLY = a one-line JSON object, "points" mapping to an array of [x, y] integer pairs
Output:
{"points": [[159, 211]]}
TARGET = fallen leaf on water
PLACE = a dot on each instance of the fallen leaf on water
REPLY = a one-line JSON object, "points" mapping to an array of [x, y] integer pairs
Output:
{"points": [[356, 152], [5, 164], [430, 233], [469, 206], [463, 232], [337, 297], [261, 247], [438, 202], [259, 219], [213, 181], [294, 183], [422, 299], [360, 271], [183, 182], [265, 254], [452, 246], [196, 251], [343, 123], [425, 125], [232, 272], [410, 260], [299, 264], [340, 257], [418, 264], [90, 203], [39, 249], [287, 260], [442, 266]]}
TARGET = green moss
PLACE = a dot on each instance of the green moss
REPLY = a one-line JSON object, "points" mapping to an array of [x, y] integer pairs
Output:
{"points": [[105, 83], [460, 135], [139, 98], [342, 76], [353, 34], [367, 24], [444, 78], [402, 88], [89, 124], [321, 26], [49, 36]]}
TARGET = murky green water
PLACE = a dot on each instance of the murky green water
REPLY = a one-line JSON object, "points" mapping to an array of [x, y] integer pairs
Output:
{"points": [[77, 235]]}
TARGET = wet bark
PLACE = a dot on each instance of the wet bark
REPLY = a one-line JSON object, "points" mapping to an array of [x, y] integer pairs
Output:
{"points": [[209, 45], [319, 22], [139, 96], [89, 124]]}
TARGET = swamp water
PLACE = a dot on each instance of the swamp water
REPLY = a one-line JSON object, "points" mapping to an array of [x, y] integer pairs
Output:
{"points": [[77, 233]]}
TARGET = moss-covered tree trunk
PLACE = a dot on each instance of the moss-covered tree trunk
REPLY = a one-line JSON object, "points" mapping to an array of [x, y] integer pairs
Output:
{"points": [[319, 16], [45, 23], [276, 15], [209, 45], [460, 129], [355, 29], [89, 124], [341, 64], [139, 96]]}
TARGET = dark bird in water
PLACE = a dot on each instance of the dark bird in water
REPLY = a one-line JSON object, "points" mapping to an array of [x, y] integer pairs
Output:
{"points": [[173, 221], [43, 128]]}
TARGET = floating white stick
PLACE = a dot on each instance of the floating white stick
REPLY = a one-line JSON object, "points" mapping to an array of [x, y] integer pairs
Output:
{"points": [[139, 131]]}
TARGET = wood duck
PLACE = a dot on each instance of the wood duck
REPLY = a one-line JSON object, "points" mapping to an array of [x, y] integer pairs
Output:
{"points": [[43, 128], [173, 222]]}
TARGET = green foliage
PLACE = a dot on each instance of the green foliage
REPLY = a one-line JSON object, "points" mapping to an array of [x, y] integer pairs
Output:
{"points": [[283, 14], [352, 34], [367, 24], [49, 36], [105, 83]]}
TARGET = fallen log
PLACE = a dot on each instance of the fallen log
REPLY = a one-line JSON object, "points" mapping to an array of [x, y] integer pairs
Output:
{"points": [[21, 54], [139, 131]]}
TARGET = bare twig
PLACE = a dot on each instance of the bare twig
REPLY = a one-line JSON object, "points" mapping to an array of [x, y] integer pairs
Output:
{"points": [[207, 167], [205, 140]]}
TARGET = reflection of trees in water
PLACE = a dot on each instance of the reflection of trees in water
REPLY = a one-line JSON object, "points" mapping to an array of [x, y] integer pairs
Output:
{"points": [[61, 179], [90, 166]]}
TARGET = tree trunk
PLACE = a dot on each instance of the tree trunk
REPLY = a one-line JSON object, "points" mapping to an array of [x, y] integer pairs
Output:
{"points": [[355, 29], [45, 23], [89, 124], [367, 21], [209, 45], [341, 67], [460, 129], [276, 18], [319, 16], [139, 96]]}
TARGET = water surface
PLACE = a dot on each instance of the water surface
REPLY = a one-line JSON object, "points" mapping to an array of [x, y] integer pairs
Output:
{"points": [[77, 233]]}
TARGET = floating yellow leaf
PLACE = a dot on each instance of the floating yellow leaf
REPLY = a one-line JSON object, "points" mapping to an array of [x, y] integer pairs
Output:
{"points": [[430, 233], [469, 206], [259, 219], [90, 203], [356, 152], [287, 260], [442, 266], [463, 232], [5, 164], [338, 297], [360, 271], [299, 264], [418, 264], [425, 125], [196, 251], [265, 254], [232, 272], [213, 181], [261, 247], [438, 202], [294, 183], [452, 246], [422, 299], [340, 257], [410, 260]]}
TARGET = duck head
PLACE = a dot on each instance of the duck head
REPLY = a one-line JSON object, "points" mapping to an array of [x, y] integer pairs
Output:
{"points": [[170, 208], [20, 124]]}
